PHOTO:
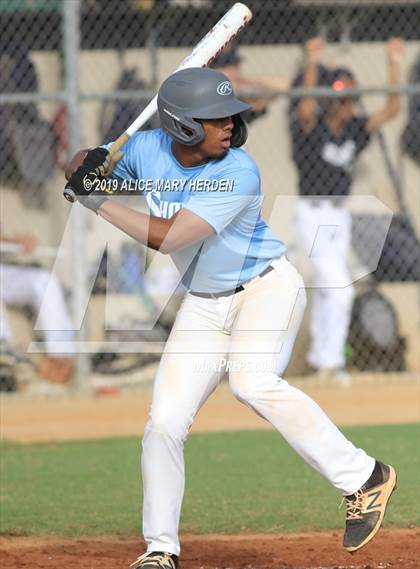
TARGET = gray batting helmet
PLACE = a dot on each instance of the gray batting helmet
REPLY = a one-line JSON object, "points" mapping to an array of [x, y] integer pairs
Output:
{"points": [[199, 93]]}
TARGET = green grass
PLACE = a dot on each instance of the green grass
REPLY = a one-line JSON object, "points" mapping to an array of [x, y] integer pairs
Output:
{"points": [[235, 481]]}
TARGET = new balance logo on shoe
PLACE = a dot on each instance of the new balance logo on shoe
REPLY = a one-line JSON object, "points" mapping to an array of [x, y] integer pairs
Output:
{"points": [[373, 505]]}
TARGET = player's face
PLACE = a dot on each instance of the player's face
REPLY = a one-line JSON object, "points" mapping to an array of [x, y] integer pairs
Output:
{"points": [[343, 107], [218, 134]]}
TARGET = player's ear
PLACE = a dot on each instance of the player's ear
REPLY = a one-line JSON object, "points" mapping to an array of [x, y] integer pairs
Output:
{"points": [[187, 131], [239, 132]]}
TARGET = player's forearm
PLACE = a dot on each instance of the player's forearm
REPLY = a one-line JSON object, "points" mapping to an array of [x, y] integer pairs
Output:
{"points": [[307, 105], [393, 104], [395, 50], [146, 229], [310, 75]]}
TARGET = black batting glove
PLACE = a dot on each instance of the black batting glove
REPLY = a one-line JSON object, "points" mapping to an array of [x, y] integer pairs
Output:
{"points": [[98, 161], [83, 183]]}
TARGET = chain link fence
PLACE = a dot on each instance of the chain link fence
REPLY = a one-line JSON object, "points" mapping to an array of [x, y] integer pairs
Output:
{"points": [[331, 117]]}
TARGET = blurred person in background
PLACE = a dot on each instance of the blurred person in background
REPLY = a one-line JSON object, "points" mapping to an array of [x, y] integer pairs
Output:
{"points": [[29, 144], [23, 284], [228, 62], [327, 137], [410, 139]]}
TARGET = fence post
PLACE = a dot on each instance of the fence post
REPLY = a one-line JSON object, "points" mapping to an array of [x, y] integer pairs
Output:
{"points": [[71, 47]]}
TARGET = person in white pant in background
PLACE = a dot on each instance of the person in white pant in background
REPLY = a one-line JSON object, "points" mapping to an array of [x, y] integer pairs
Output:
{"points": [[22, 284], [242, 311], [327, 138]]}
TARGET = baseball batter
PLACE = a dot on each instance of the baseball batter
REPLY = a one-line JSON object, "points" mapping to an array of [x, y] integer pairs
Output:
{"points": [[244, 304]]}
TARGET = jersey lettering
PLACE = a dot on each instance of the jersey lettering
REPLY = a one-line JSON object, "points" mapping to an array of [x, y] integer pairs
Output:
{"points": [[160, 208], [341, 156]]}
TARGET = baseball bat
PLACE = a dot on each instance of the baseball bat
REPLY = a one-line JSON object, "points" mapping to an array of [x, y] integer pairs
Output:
{"points": [[207, 49]]}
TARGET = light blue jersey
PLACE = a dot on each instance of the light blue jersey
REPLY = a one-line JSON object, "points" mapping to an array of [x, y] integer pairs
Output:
{"points": [[224, 192]]}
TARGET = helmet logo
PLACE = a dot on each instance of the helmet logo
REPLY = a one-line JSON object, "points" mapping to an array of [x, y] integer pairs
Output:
{"points": [[224, 88], [171, 114]]}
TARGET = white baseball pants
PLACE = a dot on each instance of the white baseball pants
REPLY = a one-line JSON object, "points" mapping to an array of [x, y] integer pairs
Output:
{"points": [[325, 237], [251, 334], [29, 285]]}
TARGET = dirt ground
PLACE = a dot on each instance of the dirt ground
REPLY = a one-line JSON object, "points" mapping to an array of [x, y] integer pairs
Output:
{"points": [[392, 549], [69, 417]]}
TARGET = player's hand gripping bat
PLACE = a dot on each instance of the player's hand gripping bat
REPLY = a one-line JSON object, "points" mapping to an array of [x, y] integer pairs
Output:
{"points": [[226, 29]]}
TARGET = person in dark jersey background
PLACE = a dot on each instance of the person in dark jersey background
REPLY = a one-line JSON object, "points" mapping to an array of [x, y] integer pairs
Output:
{"points": [[327, 137]]}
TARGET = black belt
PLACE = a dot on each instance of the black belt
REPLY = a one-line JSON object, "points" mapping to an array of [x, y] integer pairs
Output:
{"points": [[239, 288]]}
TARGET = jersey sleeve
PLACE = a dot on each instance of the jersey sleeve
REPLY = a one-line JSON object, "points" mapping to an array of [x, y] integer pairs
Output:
{"points": [[219, 209]]}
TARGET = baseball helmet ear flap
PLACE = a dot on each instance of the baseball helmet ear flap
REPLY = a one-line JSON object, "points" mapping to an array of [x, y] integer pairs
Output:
{"points": [[186, 130], [239, 131]]}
